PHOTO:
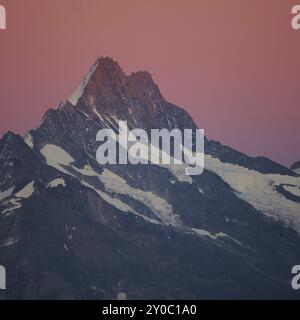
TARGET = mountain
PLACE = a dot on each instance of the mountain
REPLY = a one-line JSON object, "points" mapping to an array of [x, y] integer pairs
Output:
{"points": [[73, 229]]}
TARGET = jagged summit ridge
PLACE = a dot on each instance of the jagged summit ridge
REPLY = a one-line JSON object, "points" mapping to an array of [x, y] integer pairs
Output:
{"points": [[106, 78]]}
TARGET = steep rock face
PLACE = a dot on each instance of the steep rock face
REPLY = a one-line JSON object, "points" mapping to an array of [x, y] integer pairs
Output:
{"points": [[17, 162], [72, 229], [108, 91]]}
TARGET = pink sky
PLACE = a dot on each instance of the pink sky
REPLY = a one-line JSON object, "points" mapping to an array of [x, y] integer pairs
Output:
{"points": [[233, 65]]}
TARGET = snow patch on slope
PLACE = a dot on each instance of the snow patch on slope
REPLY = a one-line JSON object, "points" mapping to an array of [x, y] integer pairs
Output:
{"points": [[14, 203], [178, 171], [28, 140], [215, 236], [115, 184], [77, 94], [117, 203], [87, 171], [6, 193], [26, 192], [56, 183], [56, 157], [259, 190], [162, 209], [295, 190], [297, 170], [8, 242]]}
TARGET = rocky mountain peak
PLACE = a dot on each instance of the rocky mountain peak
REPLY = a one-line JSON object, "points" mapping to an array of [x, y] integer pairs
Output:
{"points": [[104, 75], [121, 228], [143, 86], [107, 89], [10, 139], [107, 72]]}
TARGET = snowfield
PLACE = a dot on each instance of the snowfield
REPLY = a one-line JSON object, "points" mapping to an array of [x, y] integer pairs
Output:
{"points": [[256, 188], [56, 157], [260, 190]]}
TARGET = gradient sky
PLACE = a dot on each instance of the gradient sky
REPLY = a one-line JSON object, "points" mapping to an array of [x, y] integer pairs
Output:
{"points": [[233, 64]]}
